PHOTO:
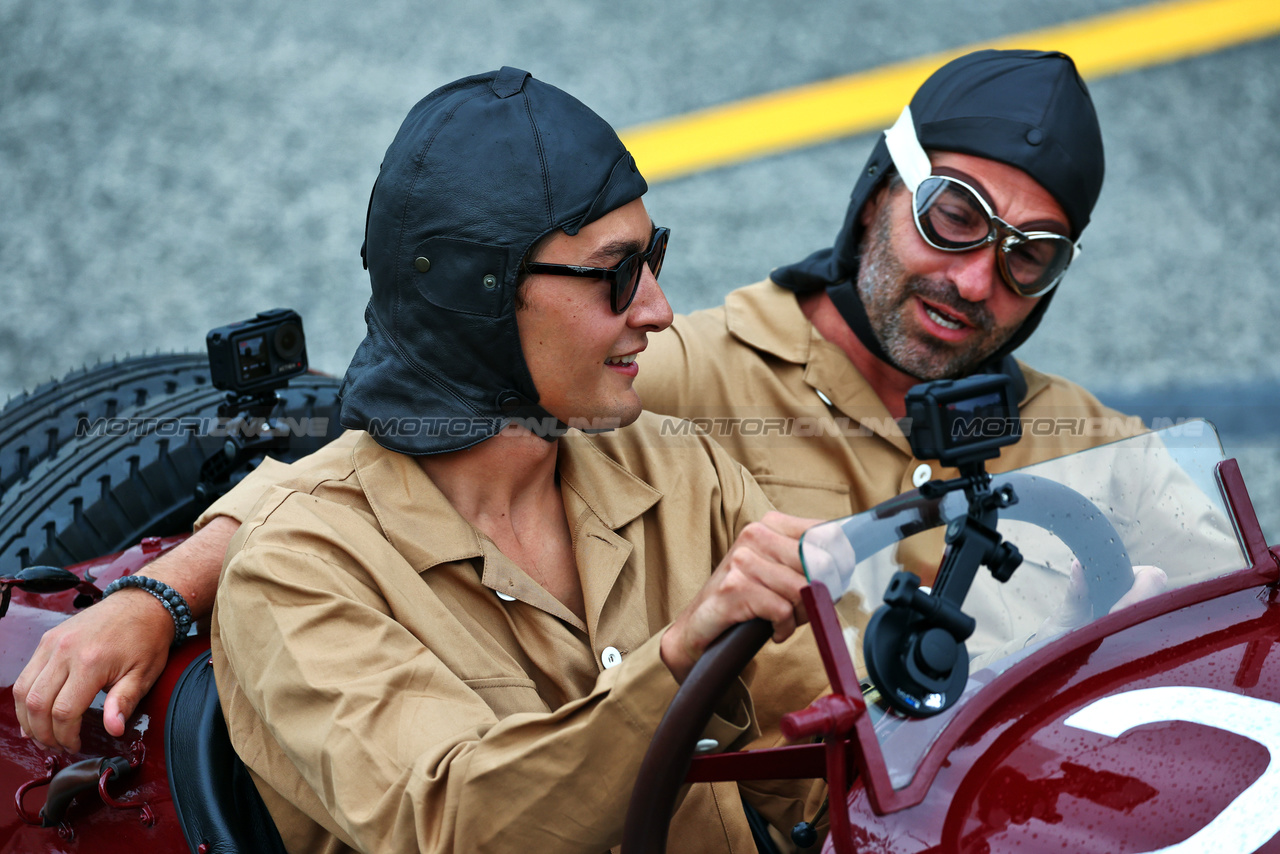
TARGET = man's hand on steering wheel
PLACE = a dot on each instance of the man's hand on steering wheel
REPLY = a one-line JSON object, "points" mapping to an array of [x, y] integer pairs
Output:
{"points": [[760, 576]]}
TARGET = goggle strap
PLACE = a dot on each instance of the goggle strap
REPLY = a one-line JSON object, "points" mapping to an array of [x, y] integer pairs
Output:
{"points": [[904, 147]]}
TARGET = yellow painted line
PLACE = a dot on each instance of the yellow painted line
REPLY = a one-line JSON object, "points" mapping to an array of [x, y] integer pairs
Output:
{"points": [[871, 100]]}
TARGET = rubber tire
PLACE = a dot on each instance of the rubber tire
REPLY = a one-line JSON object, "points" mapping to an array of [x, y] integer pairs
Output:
{"points": [[36, 425], [89, 495]]}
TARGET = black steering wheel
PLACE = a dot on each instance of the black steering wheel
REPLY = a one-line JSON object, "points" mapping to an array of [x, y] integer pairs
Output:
{"points": [[670, 753]]}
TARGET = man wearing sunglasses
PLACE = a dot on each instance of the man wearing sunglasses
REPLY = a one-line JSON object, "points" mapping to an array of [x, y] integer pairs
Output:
{"points": [[457, 627]]}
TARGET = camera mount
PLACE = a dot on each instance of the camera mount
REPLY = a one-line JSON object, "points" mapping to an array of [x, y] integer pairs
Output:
{"points": [[914, 645], [251, 360]]}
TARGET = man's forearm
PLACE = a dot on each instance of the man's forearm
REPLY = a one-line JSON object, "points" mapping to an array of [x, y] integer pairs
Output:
{"points": [[120, 645], [193, 567]]}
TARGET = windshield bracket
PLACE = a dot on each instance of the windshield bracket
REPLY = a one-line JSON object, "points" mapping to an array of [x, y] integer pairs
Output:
{"points": [[914, 645]]}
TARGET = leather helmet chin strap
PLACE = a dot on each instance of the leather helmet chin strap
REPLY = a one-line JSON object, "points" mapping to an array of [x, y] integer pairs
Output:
{"points": [[531, 416], [913, 165]]}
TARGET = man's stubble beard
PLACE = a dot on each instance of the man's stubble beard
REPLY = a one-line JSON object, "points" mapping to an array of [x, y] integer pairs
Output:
{"points": [[888, 296]]}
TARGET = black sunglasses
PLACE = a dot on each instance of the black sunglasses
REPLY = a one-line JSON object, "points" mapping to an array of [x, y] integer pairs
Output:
{"points": [[624, 278]]}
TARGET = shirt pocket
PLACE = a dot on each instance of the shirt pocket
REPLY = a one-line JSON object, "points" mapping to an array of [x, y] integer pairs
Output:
{"points": [[508, 695], [808, 498]]}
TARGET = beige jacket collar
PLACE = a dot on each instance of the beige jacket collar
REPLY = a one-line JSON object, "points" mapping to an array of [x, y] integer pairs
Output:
{"points": [[768, 318], [600, 498]]}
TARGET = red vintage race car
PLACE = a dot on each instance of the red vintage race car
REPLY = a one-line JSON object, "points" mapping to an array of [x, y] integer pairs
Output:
{"points": [[1009, 705]]}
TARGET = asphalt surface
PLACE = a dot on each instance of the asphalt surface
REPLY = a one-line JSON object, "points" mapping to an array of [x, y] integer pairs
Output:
{"points": [[167, 167]]}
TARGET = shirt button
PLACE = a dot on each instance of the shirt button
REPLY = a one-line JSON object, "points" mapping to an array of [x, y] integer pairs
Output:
{"points": [[610, 657], [922, 475], [504, 597]]}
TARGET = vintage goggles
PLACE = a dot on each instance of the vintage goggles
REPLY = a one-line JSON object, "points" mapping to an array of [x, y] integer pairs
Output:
{"points": [[952, 216], [624, 278]]}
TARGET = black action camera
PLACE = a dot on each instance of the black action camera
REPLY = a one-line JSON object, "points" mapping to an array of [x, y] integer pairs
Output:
{"points": [[963, 421], [259, 355]]}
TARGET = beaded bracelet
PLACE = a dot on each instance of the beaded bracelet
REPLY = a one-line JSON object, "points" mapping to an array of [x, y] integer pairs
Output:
{"points": [[171, 600]]}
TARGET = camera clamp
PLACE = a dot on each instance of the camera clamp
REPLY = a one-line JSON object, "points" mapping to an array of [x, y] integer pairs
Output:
{"points": [[252, 428]]}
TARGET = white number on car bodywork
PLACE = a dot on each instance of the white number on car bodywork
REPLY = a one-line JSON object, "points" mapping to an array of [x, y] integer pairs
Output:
{"points": [[1252, 818]]}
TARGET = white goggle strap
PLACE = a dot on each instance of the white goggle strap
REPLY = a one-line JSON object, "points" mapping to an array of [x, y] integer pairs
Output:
{"points": [[904, 147]]}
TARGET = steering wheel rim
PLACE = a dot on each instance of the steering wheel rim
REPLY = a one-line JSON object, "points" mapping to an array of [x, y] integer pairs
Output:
{"points": [[670, 753], [1091, 537]]}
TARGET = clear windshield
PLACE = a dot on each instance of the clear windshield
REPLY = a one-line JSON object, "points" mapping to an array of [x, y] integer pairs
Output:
{"points": [[1150, 500]]}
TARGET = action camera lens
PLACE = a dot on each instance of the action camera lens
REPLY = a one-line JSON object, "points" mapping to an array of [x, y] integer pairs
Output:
{"points": [[288, 341]]}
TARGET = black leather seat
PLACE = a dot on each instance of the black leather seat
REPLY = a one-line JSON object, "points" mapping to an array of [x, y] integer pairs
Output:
{"points": [[213, 794]]}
